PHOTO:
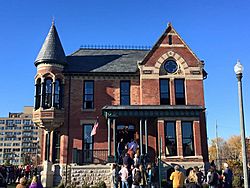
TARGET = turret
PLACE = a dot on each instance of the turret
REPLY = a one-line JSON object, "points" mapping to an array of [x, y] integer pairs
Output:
{"points": [[49, 80], [52, 51]]}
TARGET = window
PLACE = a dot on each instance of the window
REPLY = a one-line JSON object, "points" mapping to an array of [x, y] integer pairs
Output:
{"points": [[2, 121], [47, 93], [187, 138], [87, 144], [170, 139], [56, 148], [26, 122], [9, 122], [58, 95], [179, 91], [88, 99], [170, 41], [18, 121], [125, 93], [38, 94], [164, 92]]}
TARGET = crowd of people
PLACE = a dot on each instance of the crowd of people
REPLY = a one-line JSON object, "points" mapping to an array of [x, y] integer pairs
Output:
{"points": [[10, 174], [134, 171], [196, 179]]}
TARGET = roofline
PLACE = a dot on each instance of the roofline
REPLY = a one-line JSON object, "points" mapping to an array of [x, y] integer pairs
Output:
{"points": [[161, 38], [135, 49], [101, 73], [40, 61]]}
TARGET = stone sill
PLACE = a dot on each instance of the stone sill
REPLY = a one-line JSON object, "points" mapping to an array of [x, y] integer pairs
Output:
{"points": [[88, 110]]}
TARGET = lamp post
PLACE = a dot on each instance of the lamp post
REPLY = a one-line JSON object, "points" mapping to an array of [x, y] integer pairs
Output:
{"points": [[238, 69]]}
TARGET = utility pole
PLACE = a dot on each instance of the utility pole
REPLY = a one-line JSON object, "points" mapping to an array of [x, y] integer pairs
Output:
{"points": [[217, 147]]}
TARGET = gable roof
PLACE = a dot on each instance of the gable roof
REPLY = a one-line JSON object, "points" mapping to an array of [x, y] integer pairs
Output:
{"points": [[104, 60], [52, 50], [160, 40]]}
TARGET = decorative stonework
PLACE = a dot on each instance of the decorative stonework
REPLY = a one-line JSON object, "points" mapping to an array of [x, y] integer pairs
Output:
{"points": [[180, 61]]}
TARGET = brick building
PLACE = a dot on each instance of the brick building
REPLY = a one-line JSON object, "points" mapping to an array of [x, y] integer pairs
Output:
{"points": [[145, 94]]}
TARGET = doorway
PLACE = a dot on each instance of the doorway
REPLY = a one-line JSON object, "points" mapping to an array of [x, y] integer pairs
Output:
{"points": [[126, 132]]}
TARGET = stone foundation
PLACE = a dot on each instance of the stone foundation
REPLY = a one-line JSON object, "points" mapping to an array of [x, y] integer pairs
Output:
{"points": [[85, 175]]}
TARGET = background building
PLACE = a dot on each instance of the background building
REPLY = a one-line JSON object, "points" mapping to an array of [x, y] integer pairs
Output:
{"points": [[19, 138], [144, 94]]}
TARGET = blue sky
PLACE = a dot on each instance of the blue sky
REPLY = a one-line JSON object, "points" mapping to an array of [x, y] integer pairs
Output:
{"points": [[217, 31]]}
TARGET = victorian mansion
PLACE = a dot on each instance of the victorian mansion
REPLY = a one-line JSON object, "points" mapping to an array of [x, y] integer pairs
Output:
{"points": [[151, 95]]}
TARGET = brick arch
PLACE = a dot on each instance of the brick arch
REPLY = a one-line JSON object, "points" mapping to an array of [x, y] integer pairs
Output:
{"points": [[49, 75], [179, 60], [38, 76]]}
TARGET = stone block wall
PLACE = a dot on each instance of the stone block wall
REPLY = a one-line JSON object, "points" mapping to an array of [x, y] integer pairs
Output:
{"points": [[87, 174]]}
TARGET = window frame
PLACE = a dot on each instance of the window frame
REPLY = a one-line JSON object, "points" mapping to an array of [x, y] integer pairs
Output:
{"points": [[91, 102], [122, 94], [56, 147], [88, 158], [170, 39], [175, 138], [186, 138], [180, 100], [38, 93], [47, 96], [163, 102], [58, 94]]}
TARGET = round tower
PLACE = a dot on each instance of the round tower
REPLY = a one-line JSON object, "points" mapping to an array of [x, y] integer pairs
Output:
{"points": [[48, 111]]}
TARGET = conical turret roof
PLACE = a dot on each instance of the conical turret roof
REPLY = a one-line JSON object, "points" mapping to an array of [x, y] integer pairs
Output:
{"points": [[52, 50]]}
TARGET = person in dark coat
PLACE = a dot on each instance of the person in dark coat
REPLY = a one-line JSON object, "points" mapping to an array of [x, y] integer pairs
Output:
{"points": [[227, 176]]}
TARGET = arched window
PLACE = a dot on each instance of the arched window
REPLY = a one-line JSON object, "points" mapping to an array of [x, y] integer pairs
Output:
{"points": [[38, 94], [58, 94], [47, 93]]}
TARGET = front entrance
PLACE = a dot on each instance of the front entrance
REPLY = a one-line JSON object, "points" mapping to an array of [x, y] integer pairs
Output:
{"points": [[126, 132]]}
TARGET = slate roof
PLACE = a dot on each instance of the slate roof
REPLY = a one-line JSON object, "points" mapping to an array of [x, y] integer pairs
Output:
{"points": [[104, 60], [52, 50]]}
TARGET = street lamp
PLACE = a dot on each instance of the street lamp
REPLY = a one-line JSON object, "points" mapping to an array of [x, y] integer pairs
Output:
{"points": [[238, 69]]}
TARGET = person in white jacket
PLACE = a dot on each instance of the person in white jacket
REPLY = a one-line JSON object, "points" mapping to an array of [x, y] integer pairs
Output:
{"points": [[124, 176]]}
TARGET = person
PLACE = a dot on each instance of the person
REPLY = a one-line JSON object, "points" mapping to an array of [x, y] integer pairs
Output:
{"points": [[150, 176], [200, 176], [2, 181], [136, 160], [120, 148], [27, 171], [115, 175], [213, 177], [192, 180], [22, 183], [227, 176], [177, 177], [124, 176], [132, 145], [143, 182], [136, 177], [35, 183]]}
